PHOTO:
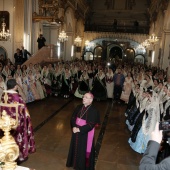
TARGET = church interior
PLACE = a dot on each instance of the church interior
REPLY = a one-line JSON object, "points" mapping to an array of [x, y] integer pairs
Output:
{"points": [[99, 31]]}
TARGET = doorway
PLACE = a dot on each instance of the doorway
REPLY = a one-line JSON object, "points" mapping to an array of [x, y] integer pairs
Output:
{"points": [[115, 53], [3, 53]]}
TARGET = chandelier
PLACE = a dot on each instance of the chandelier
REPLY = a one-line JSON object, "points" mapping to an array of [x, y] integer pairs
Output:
{"points": [[4, 35], [146, 44], [63, 36], [78, 40], [152, 39]]}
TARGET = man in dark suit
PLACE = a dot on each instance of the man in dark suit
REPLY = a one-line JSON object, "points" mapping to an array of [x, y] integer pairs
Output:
{"points": [[118, 79], [24, 54], [148, 161], [41, 41], [18, 57]]}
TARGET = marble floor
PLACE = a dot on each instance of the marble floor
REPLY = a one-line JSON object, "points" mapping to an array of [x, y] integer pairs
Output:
{"points": [[51, 122]]}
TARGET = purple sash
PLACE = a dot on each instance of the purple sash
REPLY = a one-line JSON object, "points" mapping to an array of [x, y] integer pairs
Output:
{"points": [[81, 122]]}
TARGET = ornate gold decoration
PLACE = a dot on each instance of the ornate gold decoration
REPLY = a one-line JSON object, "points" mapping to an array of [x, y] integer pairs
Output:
{"points": [[9, 150], [47, 11]]}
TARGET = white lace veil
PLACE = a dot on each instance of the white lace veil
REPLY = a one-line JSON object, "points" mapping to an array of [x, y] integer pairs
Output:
{"points": [[149, 123]]}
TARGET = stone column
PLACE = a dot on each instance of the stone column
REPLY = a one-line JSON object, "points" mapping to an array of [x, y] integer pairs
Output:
{"points": [[27, 24], [18, 23], [68, 46], [166, 50]]}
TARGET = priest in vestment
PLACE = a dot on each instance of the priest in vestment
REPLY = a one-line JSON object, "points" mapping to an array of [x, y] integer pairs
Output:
{"points": [[23, 134], [85, 118]]}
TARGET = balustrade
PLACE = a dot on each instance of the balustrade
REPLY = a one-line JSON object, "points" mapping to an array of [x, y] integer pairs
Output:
{"points": [[121, 29]]}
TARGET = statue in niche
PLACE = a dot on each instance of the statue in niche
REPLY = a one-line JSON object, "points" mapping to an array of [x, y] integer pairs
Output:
{"points": [[69, 27]]}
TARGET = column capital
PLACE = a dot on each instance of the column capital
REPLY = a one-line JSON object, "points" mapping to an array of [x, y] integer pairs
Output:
{"points": [[166, 31]]}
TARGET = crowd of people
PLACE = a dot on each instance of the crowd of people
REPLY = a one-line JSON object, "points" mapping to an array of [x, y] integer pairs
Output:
{"points": [[21, 55], [145, 90], [37, 81], [149, 103], [78, 77]]}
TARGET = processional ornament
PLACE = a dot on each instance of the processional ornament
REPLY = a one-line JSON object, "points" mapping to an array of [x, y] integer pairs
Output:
{"points": [[9, 150]]}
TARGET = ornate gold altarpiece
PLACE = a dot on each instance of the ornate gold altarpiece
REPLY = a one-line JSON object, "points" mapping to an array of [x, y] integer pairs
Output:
{"points": [[48, 11]]}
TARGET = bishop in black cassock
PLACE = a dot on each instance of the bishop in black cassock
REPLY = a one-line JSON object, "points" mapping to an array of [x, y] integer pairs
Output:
{"points": [[81, 154]]}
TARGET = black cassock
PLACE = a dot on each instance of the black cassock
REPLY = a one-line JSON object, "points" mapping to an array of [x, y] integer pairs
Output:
{"points": [[77, 153]]}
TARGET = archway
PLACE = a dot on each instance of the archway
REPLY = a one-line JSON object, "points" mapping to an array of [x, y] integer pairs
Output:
{"points": [[139, 59], [98, 50], [3, 52], [115, 53], [88, 55], [129, 55]]}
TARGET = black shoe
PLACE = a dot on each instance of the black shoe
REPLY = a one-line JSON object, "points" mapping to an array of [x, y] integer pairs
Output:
{"points": [[20, 162]]}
